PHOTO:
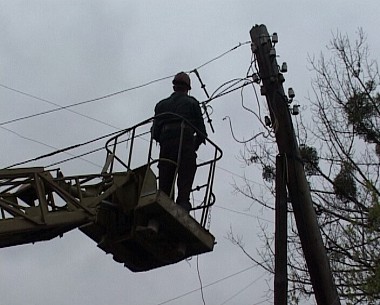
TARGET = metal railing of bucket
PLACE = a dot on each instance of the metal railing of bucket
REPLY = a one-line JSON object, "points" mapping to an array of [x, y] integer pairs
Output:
{"points": [[143, 129]]}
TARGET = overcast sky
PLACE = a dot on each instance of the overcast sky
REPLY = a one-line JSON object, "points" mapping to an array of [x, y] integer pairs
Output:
{"points": [[66, 52]]}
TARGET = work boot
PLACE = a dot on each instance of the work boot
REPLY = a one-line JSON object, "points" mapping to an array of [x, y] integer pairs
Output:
{"points": [[185, 205]]}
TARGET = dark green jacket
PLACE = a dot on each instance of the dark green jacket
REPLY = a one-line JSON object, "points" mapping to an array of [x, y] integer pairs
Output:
{"points": [[184, 106]]}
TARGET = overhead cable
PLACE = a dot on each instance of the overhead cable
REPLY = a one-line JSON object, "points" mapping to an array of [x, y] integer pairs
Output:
{"points": [[104, 96], [85, 102], [224, 92], [241, 141], [223, 54], [62, 150], [41, 143], [208, 285], [227, 92], [91, 152], [243, 289], [51, 103]]}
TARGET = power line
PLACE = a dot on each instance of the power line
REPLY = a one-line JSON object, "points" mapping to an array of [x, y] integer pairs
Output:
{"points": [[223, 54], [41, 143], [227, 92], [243, 213], [102, 148], [222, 93], [243, 289], [51, 103], [102, 122], [76, 157], [84, 143], [92, 100], [58, 150], [96, 150], [269, 301], [93, 151], [85, 102], [61, 108], [208, 285], [101, 97], [239, 176], [200, 281]]}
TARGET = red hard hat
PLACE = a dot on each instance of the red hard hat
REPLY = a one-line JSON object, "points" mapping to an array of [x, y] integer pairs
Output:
{"points": [[182, 79]]}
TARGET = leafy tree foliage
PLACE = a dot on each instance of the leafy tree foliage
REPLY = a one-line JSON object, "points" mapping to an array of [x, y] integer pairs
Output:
{"points": [[340, 150], [310, 159], [347, 107]]}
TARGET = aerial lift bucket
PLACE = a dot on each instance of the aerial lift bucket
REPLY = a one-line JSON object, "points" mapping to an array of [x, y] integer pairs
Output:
{"points": [[141, 226]]}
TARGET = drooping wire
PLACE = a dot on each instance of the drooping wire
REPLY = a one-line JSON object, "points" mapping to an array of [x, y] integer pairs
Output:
{"points": [[68, 148], [244, 214], [51, 103], [84, 143], [226, 92], [41, 157], [257, 115], [80, 156], [87, 101], [237, 140], [255, 79], [250, 68], [274, 124], [92, 100], [107, 95], [234, 82], [243, 289], [257, 100], [249, 79], [208, 285], [62, 150], [200, 281], [268, 301], [214, 95], [223, 54], [87, 142]]}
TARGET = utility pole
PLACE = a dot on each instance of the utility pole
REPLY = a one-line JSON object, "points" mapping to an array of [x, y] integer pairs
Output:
{"points": [[298, 188], [281, 234]]}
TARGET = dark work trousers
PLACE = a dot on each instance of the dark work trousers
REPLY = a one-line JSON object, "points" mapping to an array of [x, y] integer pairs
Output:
{"points": [[186, 168]]}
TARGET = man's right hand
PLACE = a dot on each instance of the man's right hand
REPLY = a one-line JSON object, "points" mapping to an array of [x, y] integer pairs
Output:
{"points": [[197, 142]]}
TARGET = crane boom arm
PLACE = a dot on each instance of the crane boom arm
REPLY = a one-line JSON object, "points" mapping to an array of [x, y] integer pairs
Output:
{"points": [[35, 206]]}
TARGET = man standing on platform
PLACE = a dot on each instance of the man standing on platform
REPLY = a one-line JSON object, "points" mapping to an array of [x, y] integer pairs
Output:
{"points": [[171, 115]]}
